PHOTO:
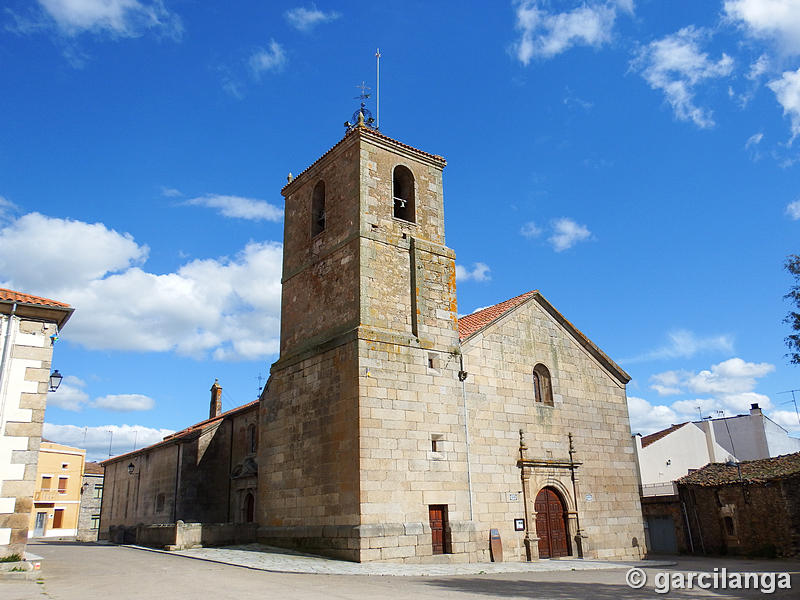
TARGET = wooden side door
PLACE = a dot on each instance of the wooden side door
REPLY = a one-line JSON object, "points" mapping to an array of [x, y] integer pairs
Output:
{"points": [[437, 514]]}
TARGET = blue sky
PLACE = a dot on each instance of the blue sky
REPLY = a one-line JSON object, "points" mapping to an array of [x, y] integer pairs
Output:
{"points": [[636, 162]]}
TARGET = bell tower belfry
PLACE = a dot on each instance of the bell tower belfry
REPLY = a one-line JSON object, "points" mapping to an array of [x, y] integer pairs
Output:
{"points": [[362, 431]]}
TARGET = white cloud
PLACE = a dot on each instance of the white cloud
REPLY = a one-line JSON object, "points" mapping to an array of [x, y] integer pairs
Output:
{"points": [[545, 34], [675, 65], [646, 417], [168, 192], [95, 440], [754, 140], [479, 272], [305, 19], [728, 386], [6, 208], [775, 20], [272, 59], [787, 419], [758, 68], [787, 91], [124, 402], [227, 307], [239, 207], [683, 343], [125, 18], [793, 210], [567, 233], [733, 376], [69, 395], [41, 252], [530, 230]]}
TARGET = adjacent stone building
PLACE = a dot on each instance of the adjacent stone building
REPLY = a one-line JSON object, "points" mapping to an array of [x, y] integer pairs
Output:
{"points": [[91, 502], [29, 326], [205, 473], [750, 508]]}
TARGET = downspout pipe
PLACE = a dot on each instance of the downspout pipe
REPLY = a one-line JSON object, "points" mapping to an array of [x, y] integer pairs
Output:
{"points": [[4, 361], [462, 377]]}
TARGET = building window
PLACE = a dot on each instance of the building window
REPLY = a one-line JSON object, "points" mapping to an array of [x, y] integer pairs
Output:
{"points": [[729, 526], [252, 438], [95, 522], [46, 483], [64, 465], [403, 194], [62, 485], [318, 209], [542, 386], [160, 501], [98, 491]]}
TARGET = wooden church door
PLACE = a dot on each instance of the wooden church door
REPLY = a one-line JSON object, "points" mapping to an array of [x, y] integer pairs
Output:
{"points": [[551, 526]]}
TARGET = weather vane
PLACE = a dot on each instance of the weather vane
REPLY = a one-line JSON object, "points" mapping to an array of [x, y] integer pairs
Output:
{"points": [[363, 116]]}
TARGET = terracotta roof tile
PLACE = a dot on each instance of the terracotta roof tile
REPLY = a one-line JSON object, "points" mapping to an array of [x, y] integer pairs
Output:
{"points": [[753, 471], [372, 132], [183, 432], [93, 468], [470, 324], [654, 437], [12, 296]]}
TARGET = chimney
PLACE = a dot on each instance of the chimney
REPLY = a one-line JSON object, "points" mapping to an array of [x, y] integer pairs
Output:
{"points": [[216, 400], [755, 409]]}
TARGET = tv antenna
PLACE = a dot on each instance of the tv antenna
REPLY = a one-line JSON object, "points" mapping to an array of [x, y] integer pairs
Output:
{"points": [[793, 401], [260, 387]]}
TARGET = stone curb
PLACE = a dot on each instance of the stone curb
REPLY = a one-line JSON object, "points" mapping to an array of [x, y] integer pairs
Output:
{"points": [[326, 566]]}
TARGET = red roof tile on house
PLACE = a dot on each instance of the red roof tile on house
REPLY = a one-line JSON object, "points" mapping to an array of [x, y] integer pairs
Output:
{"points": [[654, 437], [471, 324], [93, 468], [12, 296], [752, 471]]}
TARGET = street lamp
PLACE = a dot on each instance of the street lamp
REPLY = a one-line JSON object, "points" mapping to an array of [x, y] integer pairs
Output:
{"points": [[55, 380]]}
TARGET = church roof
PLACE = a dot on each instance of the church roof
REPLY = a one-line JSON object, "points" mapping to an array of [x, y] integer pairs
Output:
{"points": [[368, 132], [752, 471], [473, 323], [470, 325], [178, 435]]}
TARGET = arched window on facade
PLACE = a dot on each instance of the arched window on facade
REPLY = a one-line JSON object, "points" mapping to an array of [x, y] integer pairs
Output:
{"points": [[318, 209], [542, 386], [403, 194], [252, 439]]}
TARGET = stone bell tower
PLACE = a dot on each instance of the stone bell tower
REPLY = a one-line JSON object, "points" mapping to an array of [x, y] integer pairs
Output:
{"points": [[362, 430]]}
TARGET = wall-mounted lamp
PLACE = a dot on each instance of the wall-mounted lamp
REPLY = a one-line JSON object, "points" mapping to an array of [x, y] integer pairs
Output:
{"points": [[131, 468], [55, 380]]}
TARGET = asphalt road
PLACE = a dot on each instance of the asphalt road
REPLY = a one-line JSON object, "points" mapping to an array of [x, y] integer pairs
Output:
{"points": [[74, 571]]}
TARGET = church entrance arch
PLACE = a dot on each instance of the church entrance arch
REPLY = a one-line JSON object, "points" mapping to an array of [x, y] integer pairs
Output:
{"points": [[551, 524]]}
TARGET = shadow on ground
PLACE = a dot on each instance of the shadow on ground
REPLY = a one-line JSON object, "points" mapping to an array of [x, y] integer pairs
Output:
{"points": [[563, 590]]}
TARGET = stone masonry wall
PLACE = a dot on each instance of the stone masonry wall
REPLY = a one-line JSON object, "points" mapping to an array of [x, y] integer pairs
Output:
{"points": [[308, 454], [764, 516], [588, 402], [24, 394]]}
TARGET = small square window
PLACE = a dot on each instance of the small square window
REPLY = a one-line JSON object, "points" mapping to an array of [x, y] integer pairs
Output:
{"points": [[64, 465], [433, 361]]}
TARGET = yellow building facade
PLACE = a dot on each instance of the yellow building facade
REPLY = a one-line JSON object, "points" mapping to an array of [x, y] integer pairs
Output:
{"points": [[57, 496]]}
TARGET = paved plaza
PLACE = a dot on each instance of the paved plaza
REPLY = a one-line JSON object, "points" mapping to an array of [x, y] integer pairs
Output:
{"points": [[75, 571]]}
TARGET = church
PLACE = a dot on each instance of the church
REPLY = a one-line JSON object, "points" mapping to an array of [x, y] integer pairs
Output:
{"points": [[392, 429]]}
